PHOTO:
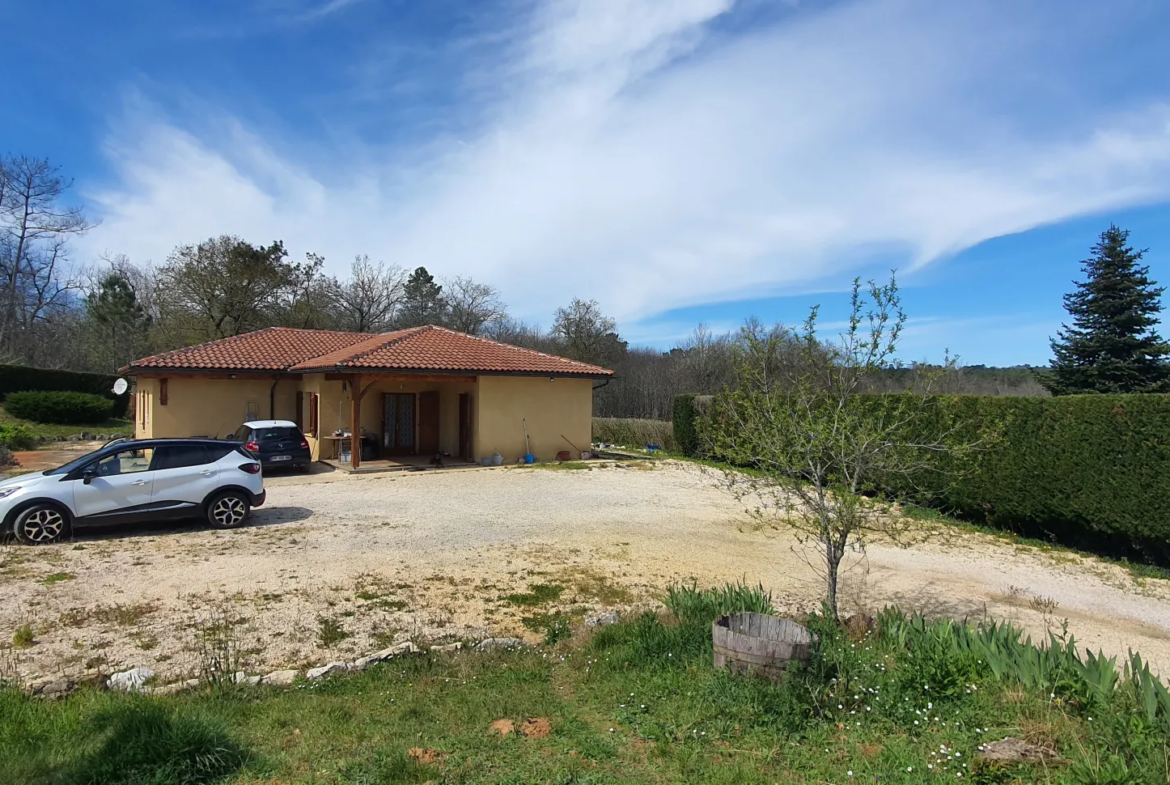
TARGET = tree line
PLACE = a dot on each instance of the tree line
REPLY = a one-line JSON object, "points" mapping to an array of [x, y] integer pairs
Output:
{"points": [[54, 314]]}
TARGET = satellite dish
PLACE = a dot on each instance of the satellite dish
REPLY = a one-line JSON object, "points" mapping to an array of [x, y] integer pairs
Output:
{"points": [[121, 386]]}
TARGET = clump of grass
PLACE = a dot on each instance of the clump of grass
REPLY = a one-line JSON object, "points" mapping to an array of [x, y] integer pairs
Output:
{"points": [[538, 594], [122, 615], [218, 648], [555, 626], [147, 643], [590, 585], [57, 577], [329, 631], [22, 637], [702, 606]]}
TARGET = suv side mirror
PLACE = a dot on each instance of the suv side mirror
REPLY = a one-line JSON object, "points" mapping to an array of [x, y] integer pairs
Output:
{"points": [[88, 475]]}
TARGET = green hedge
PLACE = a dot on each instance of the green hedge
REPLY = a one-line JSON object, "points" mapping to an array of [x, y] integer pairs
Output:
{"points": [[1092, 471], [59, 407], [20, 378], [685, 423], [633, 432]]}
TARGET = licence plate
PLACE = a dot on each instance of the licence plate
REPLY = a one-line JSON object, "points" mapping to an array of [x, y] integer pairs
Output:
{"points": [[281, 458]]}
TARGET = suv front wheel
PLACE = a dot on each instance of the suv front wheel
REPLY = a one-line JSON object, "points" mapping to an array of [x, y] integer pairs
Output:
{"points": [[227, 510], [40, 524]]}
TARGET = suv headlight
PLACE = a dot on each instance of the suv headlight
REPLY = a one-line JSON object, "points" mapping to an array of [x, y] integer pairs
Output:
{"points": [[6, 492]]}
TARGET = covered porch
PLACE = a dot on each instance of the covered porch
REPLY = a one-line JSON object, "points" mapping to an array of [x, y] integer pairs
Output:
{"points": [[406, 463], [406, 421]]}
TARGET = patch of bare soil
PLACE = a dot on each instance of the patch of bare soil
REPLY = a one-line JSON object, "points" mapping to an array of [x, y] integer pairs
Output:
{"points": [[338, 566]]}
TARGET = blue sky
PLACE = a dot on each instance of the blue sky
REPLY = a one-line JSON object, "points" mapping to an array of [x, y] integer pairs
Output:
{"points": [[697, 160]]}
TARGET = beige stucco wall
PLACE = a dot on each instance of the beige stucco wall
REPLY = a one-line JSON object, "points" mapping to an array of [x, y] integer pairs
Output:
{"points": [[552, 409], [209, 407], [499, 404]]}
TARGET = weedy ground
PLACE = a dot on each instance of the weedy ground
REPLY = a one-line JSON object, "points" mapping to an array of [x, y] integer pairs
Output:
{"points": [[909, 701]]}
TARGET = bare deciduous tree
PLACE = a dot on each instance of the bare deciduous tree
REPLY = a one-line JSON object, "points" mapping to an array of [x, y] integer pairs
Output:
{"points": [[368, 300], [471, 305], [35, 228]]}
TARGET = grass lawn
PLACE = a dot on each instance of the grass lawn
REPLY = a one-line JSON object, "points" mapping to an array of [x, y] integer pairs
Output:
{"points": [[638, 702], [113, 427]]}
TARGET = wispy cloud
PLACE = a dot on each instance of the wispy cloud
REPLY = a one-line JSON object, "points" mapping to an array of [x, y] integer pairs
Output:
{"points": [[323, 10], [629, 151]]}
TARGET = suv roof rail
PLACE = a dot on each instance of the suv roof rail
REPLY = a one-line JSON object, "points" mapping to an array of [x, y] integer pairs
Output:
{"points": [[115, 441]]}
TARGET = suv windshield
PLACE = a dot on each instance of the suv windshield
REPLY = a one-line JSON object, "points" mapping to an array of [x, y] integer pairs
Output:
{"points": [[76, 462]]}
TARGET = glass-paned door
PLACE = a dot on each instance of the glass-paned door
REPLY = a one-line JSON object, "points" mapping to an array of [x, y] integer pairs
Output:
{"points": [[398, 423]]}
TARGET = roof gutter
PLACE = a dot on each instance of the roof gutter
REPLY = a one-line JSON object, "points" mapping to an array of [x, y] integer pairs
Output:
{"points": [[285, 372]]}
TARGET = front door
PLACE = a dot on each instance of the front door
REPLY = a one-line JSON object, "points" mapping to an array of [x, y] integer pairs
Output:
{"points": [[122, 482], [397, 423], [465, 426], [428, 422]]}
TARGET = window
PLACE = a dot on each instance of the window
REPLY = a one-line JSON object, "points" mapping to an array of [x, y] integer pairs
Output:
{"points": [[251, 411], [124, 462], [275, 434], [180, 456], [162, 392], [217, 451]]}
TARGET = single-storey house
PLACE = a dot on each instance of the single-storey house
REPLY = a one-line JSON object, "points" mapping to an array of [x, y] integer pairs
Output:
{"points": [[421, 391]]}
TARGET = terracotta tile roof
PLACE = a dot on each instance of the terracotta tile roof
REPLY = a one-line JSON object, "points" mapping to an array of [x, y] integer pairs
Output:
{"points": [[439, 349], [270, 349], [415, 349]]}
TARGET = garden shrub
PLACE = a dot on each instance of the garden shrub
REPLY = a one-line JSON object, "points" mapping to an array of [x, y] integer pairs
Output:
{"points": [[633, 432], [17, 378], [1090, 471], [17, 437], [59, 407]]}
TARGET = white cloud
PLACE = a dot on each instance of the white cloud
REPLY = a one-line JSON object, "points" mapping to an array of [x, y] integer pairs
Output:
{"points": [[633, 155]]}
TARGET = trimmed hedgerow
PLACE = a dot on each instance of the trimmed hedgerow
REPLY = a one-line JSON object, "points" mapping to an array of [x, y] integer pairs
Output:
{"points": [[688, 409], [1091, 471], [59, 407], [633, 432], [19, 378]]}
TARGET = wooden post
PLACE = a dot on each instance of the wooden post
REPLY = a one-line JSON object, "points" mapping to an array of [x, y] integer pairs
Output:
{"points": [[355, 427]]}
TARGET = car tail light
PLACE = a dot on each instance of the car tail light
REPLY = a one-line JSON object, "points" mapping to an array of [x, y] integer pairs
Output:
{"points": [[252, 447], [250, 468], [304, 444]]}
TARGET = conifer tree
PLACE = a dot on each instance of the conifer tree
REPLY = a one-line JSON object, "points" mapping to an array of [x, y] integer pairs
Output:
{"points": [[1113, 346]]}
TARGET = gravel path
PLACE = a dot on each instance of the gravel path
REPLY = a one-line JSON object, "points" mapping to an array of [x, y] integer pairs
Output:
{"points": [[337, 566]]}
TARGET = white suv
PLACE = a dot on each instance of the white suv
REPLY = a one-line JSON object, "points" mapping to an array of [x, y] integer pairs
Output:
{"points": [[141, 480]]}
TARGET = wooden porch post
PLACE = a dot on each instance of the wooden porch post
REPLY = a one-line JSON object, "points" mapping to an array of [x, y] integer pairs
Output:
{"points": [[355, 427]]}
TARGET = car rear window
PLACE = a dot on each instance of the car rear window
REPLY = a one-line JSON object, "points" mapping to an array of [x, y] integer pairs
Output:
{"points": [[273, 434]]}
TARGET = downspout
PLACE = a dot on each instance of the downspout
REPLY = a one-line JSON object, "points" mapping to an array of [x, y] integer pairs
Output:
{"points": [[599, 386], [272, 399]]}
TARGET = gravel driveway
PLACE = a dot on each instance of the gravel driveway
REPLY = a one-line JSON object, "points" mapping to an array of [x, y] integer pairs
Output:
{"points": [[337, 566]]}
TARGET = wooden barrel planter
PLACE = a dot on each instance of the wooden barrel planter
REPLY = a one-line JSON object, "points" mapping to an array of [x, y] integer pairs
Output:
{"points": [[759, 644]]}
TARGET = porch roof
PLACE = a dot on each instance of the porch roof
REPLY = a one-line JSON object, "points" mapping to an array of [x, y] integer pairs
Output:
{"points": [[418, 349]]}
